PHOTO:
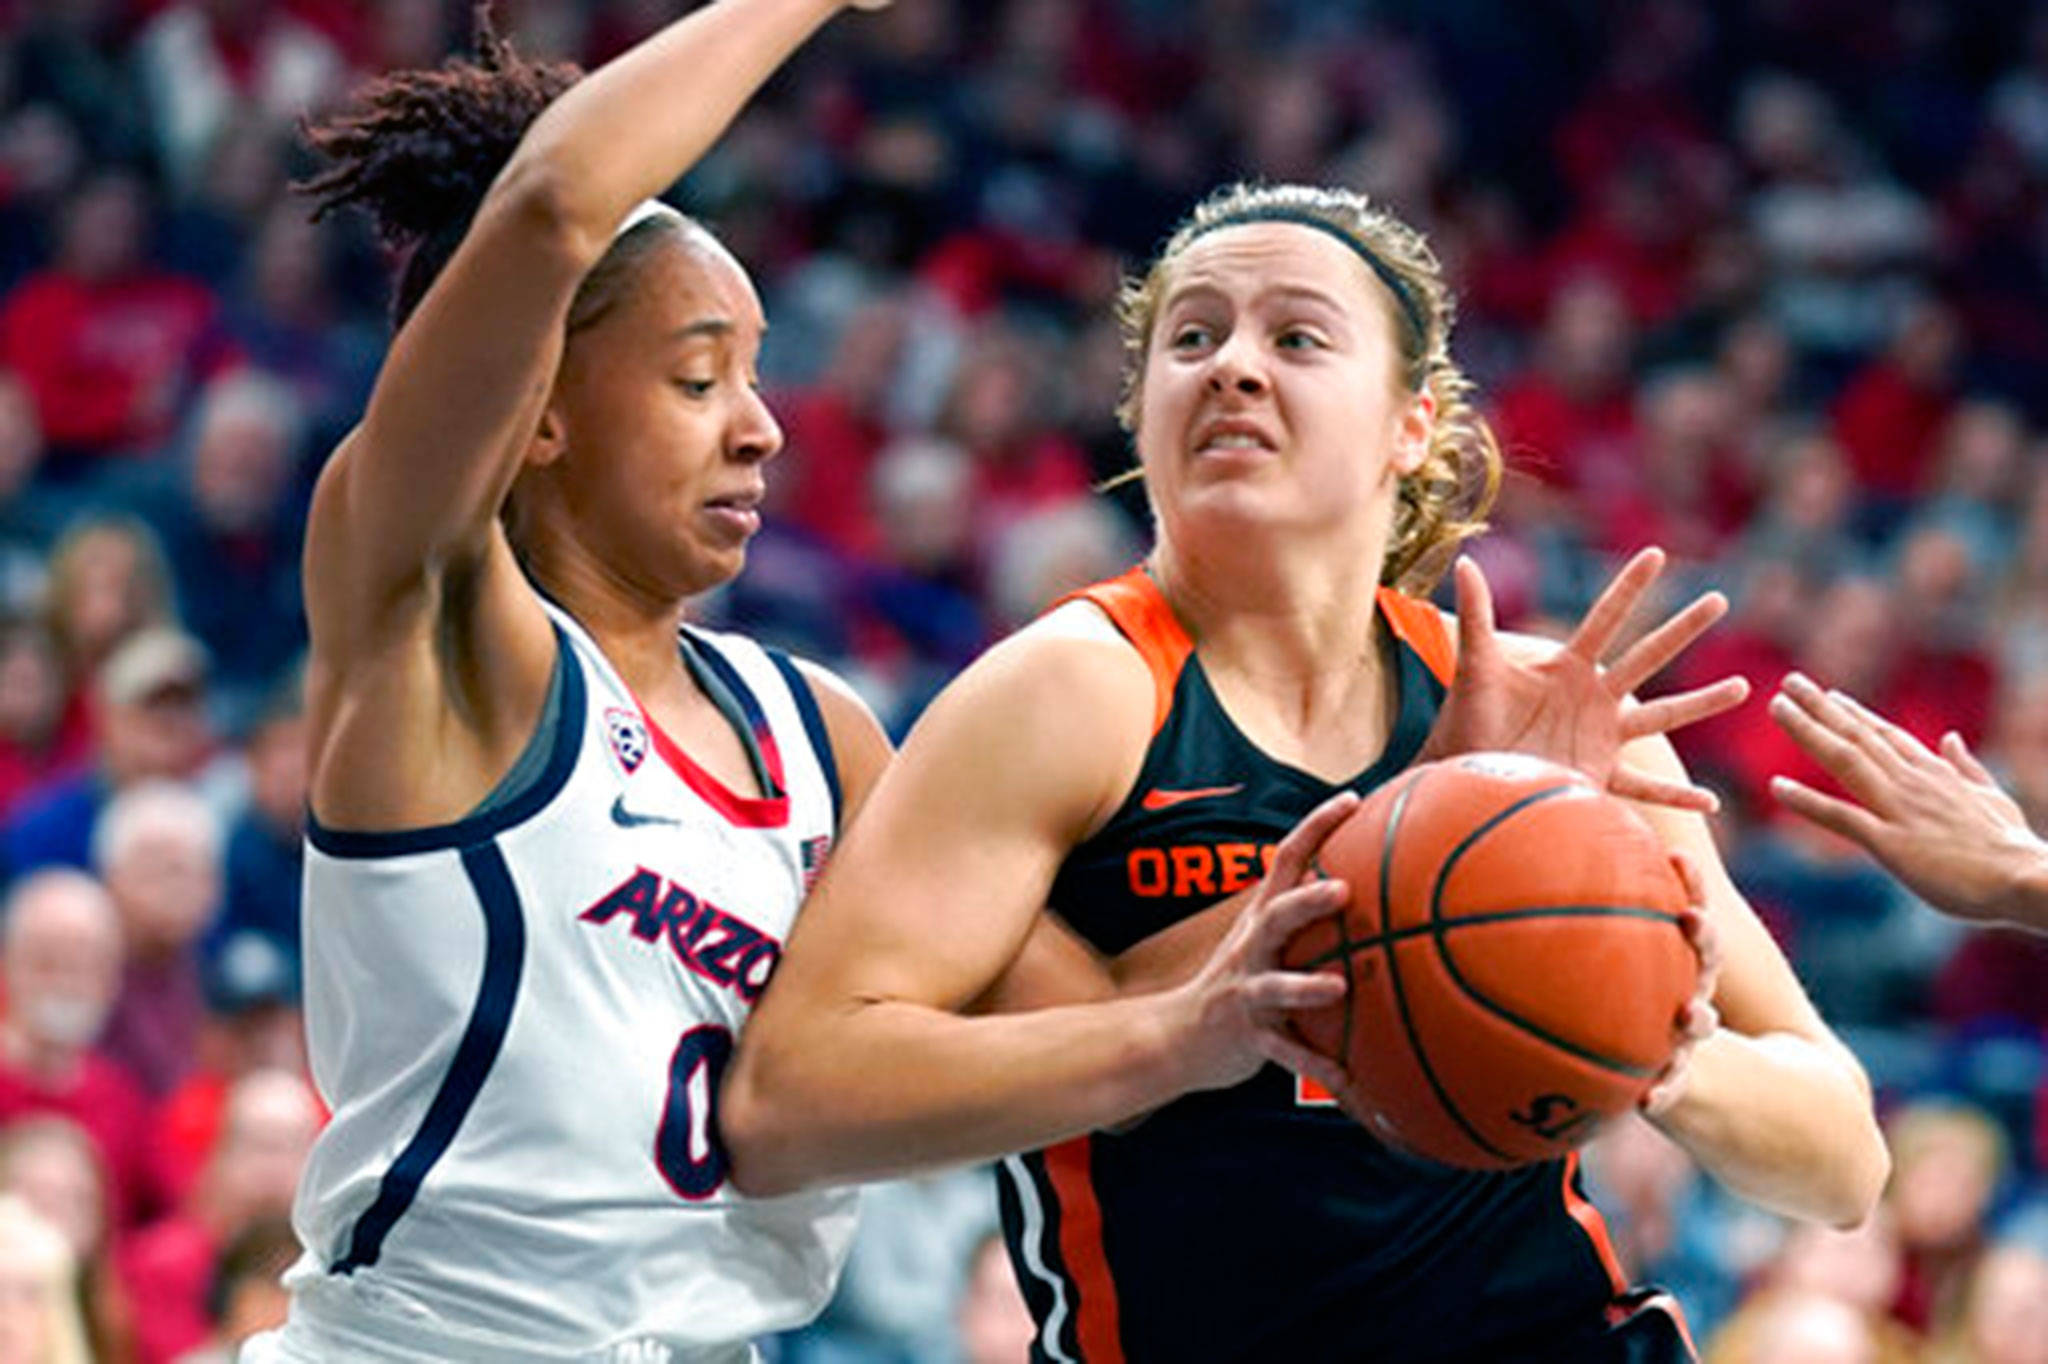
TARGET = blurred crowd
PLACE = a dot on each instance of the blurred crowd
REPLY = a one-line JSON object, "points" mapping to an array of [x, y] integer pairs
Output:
{"points": [[1762, 281]]}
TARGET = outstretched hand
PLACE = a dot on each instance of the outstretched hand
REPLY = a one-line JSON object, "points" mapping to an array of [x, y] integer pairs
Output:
{"points": [[1937, 821], [1569, 707]]}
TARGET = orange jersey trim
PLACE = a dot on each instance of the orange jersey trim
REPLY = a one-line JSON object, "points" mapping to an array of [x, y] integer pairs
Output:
{"points": [[1096, 1328], [1135, 605], [1421, 627], [1591, 1222]]}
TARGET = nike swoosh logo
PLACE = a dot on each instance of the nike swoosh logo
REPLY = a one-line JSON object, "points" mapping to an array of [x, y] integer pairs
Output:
{"points": [[632, 819], [1158, 798]]}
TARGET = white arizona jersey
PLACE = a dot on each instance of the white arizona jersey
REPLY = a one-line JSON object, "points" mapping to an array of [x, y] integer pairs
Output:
{"points": [[520, 1022]]}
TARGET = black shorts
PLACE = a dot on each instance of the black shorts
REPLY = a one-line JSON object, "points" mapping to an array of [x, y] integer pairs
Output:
{"points": [[1646, 1327]]}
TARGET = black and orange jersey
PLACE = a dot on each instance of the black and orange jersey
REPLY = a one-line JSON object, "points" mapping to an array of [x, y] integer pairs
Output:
{"points": [[1261, 1223]]}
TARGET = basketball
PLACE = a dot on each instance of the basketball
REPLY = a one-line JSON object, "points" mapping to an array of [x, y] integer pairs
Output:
{"points": [[1514, 957]]}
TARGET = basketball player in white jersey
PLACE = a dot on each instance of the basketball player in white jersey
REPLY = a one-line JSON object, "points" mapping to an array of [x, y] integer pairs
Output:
{"points": [[553, 853]]}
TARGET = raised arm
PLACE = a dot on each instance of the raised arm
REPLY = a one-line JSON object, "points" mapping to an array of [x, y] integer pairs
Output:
{"points": [[425, 637], [860, 1063], [1772, 1103], [418, 486]]}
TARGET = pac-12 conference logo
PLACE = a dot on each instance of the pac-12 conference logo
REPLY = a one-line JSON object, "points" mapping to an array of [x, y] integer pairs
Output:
{"points": [[628, 735]]}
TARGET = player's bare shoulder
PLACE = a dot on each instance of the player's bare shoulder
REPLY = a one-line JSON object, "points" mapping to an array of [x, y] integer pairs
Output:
{"points": [[1067, 700]]}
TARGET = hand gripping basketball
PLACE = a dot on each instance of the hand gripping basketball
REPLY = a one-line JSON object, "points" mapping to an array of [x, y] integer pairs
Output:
{"points": [[1235, 1009], [1570, 708], [1700, 1018]]}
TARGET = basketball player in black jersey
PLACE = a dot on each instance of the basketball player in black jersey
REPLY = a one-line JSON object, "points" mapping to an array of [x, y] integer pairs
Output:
{"points": [[1140, 755]]}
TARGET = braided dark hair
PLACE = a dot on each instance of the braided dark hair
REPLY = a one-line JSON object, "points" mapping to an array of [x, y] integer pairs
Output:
{"points": [[418, 149]]}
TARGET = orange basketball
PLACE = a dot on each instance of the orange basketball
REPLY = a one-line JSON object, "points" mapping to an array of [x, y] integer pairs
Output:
{"points": [[1515, 962]]}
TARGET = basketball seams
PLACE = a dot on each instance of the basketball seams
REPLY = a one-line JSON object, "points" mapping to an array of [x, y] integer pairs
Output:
{"points": [[1415, 1046], [1465, 987], [1482, 920]]}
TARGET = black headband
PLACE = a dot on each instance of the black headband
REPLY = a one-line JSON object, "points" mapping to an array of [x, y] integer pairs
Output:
{"points": [[1275, 213]]}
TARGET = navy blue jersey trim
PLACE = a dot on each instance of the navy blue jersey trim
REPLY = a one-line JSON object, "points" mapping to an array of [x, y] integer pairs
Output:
{"points": [[504, 961], [814, 724], [757, 734], [463, 833]]}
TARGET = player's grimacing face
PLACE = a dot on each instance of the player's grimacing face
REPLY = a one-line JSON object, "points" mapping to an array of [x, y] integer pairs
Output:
{"points": [[665, 429], [1272, 380]]}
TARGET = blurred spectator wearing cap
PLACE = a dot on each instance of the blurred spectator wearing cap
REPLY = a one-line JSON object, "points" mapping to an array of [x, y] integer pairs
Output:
{"points": [[106, 341], [51, 1164], [230, 523], [38, 1313], [60, 951], [153, 726], [158, 851], [252, 1023], [267, 1128]]}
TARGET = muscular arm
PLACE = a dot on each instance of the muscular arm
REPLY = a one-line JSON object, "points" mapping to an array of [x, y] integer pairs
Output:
{"points": [[860, 1062], [410, 584], [1773, 1104]]}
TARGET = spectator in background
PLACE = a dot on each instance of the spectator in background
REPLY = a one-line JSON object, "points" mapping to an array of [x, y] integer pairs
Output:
{"points": [[2004, 1319], [60, 953], [285, 319], [2019, 607], [1889, 416], [30, 514], [1975, 487], [68, 56], [206, 65], [38, 1314], [158, 851], [108, 579], [32, 751], [247, 1294], [1570, 418], [264, 849], [151, 696], [231, 524], [268, 1126], [51, 1164], [207, 229], [1948, 1161], [1793, 1327], [106, 342], [836, 427], [998, 413], [252, 1023]]}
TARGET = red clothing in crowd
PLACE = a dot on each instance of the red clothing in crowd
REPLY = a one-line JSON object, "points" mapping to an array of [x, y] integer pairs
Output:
{"points": [[167, 1270], [106, 1101], [830, 450], [106, 362], [1887, 425], [1559, 439]]}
